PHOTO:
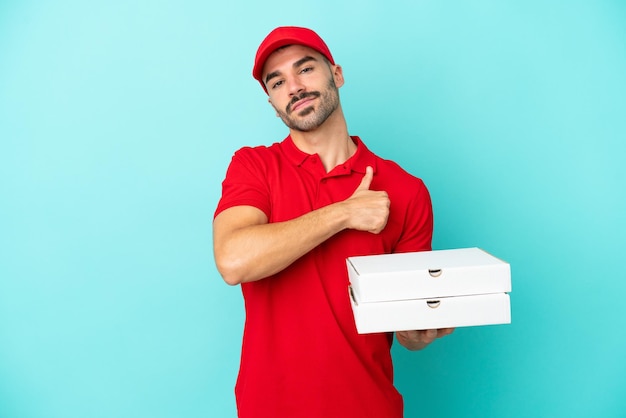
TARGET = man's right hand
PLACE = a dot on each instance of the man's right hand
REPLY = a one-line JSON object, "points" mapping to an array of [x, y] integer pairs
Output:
{"points": [[369, 209]]}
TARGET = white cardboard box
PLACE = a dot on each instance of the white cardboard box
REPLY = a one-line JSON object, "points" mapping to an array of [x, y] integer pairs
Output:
{"points": [[413, 314], [429, 289]]}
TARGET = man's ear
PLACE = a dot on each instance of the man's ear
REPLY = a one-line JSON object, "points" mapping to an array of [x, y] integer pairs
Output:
{"points": [[338, 75]]}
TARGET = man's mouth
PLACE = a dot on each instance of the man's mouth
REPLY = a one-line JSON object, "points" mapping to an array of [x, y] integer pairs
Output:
{"points": [[301, 102]]}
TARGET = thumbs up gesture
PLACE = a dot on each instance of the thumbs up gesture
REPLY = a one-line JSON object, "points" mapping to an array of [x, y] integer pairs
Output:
{"points": [[368, 209]]}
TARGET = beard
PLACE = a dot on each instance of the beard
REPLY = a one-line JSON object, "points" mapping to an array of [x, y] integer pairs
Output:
{"points": [[309, 118]]}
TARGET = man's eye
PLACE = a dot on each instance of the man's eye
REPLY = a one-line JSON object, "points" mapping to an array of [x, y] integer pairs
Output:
{"points": [[306, 69], [277, 84]]}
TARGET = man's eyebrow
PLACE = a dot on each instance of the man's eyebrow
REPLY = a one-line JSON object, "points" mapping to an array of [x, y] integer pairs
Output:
{"points": [[271, 75], [303, 60], [295, 65]]}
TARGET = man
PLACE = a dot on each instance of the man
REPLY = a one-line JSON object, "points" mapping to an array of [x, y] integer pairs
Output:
{"points": [[289, 216]]}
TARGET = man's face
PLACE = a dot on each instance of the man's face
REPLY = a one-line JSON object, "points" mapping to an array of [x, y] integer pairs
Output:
{"points": [[302, 86]]}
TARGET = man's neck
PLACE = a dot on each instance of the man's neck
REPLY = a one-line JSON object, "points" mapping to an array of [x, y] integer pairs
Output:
{"points": [[330, 141]]}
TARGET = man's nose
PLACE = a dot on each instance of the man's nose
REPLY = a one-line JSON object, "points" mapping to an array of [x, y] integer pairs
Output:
{"points": [[295, 86]]}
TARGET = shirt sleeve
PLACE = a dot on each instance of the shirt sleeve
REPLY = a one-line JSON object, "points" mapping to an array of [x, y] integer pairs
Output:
{"points": [[245, 182], [417, 232]]}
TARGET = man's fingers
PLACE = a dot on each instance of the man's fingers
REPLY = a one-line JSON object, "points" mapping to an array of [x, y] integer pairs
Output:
{"points": [[444, 331], [367, 179], [429, 335]]}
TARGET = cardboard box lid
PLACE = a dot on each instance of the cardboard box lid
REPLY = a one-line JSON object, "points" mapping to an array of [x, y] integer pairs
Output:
{"points": [[427, 274]]}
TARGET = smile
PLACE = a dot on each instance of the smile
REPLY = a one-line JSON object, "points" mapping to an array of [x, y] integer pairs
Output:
{"points": [[302, 103]]}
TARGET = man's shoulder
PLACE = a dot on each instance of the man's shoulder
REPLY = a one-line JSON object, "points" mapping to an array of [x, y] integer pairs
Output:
{"points": [[392, 169], [385, 166], [258, 153], [258, 149]]}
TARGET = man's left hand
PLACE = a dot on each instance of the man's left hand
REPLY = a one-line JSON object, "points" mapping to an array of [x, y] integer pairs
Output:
{"points": [[417, 340]]}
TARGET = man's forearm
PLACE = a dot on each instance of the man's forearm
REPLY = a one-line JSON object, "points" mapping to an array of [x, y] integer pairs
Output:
{"points": [[254, 252]]}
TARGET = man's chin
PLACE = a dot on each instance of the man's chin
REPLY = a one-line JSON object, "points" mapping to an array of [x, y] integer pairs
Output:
{"points": [[302, 127], [306, 111]]}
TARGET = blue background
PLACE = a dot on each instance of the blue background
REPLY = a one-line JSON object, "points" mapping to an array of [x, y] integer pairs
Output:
{"points": [[118, 120]]}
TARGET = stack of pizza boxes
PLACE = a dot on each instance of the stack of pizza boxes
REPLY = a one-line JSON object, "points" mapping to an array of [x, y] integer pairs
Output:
{"points": [[428, 290]]}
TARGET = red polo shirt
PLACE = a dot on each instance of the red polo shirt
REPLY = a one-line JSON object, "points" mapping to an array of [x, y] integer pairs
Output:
{"points": [[301, 355]]}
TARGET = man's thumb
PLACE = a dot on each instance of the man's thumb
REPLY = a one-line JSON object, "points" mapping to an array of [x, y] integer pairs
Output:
{"points": [[367, 179]]}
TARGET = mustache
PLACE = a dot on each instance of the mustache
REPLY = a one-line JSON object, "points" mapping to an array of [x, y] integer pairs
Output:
{"points": [[296, 99]]}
